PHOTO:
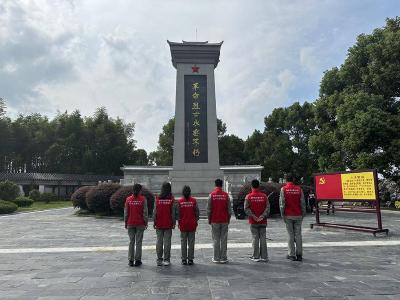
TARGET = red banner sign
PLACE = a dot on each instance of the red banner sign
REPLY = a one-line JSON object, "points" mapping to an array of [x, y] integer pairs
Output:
{"points": [[346, 186]]}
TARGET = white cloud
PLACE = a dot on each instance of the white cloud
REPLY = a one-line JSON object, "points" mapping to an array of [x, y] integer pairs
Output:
{"points": [[66, 55]]}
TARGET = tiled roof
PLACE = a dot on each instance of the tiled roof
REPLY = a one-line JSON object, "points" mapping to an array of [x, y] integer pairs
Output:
{"points": [[56, 177]]}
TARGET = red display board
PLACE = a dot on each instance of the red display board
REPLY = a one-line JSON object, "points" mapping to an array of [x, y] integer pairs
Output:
{"points": [[347, 186], [358, 185]]}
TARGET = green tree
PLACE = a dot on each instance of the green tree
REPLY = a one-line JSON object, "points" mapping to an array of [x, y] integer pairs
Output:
{"points": [[8, 190], [357, 113], [68, 144], [283, 146], [2, 108], [164, 153], [231, 150], [5, 137], [110, 143]]}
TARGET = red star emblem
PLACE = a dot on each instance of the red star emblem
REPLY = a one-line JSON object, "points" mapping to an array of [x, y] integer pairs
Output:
{"points": [[195, 69]]}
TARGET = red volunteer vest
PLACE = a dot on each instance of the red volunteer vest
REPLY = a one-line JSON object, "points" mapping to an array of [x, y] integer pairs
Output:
{"points": [[219, 206], [187, 214], [292, 194], [164, 213], [257, 203], [135, 206]]}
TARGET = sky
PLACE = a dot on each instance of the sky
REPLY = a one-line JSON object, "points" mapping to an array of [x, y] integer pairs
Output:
{"points": [[63, 55]]}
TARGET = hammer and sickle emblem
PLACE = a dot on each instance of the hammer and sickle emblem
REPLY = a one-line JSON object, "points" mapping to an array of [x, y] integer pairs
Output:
{"points": [[322, 180]]}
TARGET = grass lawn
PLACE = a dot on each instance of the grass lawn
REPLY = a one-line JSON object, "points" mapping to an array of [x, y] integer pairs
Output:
{"points": [[43, 206]]}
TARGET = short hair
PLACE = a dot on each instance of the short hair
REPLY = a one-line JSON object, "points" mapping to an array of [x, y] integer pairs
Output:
{"points": [[289, 177], [186, 191], [218, 182], [137, 188], [255, 184]]}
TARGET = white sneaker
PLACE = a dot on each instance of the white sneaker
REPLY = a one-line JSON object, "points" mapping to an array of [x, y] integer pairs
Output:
{"points": [[223, 261], [254, 259], [264, 260], [215, 261], [166, 263]]}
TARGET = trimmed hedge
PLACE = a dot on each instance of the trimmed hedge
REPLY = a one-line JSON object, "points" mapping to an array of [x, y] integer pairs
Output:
{"points": [[78, 198], [7, 207], [34, 195], [117, 200], [23, 201], [8, 190], [48, 197], [98, 198]]}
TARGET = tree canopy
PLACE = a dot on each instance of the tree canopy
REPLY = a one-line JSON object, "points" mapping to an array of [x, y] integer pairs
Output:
{"points": [[357, 114], [69, 143]]}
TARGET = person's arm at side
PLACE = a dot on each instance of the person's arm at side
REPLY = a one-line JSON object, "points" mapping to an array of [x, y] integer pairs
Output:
{"points": [[173, 213], [197, 212], [154, 214], [126, 214], [230, 210], [282, 202], [303, 204], [265, 213], [145, 213], [209, 209], [247, 209]]}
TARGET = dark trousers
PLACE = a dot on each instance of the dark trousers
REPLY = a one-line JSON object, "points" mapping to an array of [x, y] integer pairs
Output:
{"points": [[187, 244]]}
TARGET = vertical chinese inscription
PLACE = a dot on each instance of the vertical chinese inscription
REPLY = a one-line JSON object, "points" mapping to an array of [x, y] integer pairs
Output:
{"points": [[196, 147]]}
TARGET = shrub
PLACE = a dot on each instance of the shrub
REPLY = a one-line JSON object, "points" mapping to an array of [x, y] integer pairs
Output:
{"points": [[48, 197], [7, 207], [8, 190], [78, 198], [117, 200], [23, 201], [34, 195], [98, 198]]}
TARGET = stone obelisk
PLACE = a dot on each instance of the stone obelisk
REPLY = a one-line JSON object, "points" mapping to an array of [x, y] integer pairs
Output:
{"points": [[196, 156]]}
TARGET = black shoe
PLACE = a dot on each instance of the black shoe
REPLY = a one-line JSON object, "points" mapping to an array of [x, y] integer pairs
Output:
{"points": [[138, 263], [299, 258], [292, 258], [190, 262], [131, 263], [159, 263], [184, 262]]}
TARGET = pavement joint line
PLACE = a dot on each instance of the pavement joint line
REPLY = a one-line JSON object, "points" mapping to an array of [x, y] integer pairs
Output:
{"points": [[200, 246], [32, 212]]}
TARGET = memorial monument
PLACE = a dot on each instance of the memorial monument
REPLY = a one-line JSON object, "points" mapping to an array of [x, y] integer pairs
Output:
{"points": [[196, 154]]}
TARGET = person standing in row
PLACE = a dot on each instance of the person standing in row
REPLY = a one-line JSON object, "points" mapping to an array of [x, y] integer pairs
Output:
{"points": [[136, 220], [164, 222], [256, 206], [219, 211], [188, 215], [293, 209]]}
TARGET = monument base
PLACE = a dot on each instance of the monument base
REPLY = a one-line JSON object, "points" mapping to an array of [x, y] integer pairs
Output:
{"points": [[201, 182]]}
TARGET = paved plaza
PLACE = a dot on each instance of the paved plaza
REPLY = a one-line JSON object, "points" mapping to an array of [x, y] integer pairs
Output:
{"points": [[57, 255]]}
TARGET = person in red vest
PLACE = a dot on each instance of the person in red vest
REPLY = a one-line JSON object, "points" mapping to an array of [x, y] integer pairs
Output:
{"points": [[256, 207], [188, 215], [293, 209], [219, 211], [136, 218], [164, 222]]}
